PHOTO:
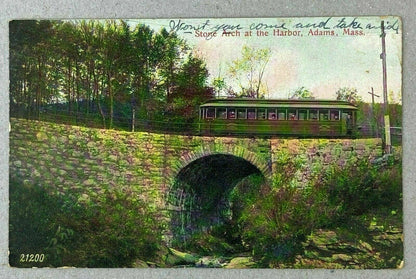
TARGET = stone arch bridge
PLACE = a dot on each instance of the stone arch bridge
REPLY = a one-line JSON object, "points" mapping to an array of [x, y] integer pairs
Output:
{"points": [[89, 160]]}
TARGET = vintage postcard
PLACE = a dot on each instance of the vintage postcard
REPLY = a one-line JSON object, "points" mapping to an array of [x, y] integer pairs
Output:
{"points": [[206, 143]]}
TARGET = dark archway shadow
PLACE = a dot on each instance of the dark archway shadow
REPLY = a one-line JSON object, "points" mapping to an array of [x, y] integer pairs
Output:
{"points": [[199, 199]]}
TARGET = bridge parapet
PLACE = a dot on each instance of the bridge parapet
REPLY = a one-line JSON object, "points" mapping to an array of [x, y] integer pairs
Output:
{"points": [[91, 160], [312, 156]]}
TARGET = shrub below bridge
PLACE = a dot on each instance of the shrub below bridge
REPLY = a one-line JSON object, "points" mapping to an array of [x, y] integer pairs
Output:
{"points": [[113, 231]]}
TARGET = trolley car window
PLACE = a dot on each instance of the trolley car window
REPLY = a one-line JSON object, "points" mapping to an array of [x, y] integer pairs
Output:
{"points": [[334, 114], [221, 113], [302, 114], [323, 115], [251, 113], [210, 112], [281, 114], [278, 117], [272, 114], [241, 114], [261, 114], [231, 113], [292, 114], [313, 114]]}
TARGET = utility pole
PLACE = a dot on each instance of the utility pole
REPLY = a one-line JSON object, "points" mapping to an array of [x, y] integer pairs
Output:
{"points": [[372, 111], [386, 102]]}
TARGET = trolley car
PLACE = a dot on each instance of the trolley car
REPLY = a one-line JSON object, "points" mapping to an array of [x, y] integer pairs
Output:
{"points": [[305, 118]]}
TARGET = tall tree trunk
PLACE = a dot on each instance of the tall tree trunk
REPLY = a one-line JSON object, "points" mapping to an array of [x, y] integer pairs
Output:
{"points": [[133, 115], [261, 73], [77, 91], [69, 74], [142, 96], [169, 83], [96, 85], [133, 106], [26, 98], [38, 90], [29, 94], [110, 94], [88, 81]]}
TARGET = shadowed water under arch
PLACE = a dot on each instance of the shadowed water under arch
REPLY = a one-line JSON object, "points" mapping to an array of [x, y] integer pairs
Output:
{"points": [[200, 195]]}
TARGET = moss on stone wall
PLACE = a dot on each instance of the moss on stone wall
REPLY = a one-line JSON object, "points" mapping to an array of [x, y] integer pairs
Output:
{"points": [[89, 160]]}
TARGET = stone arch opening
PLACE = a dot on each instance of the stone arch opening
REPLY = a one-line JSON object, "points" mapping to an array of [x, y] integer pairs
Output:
{"points": [[199, 197]]}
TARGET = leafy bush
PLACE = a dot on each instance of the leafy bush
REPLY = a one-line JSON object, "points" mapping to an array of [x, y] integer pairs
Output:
{"points": [[274, 217], [113, 231], [361, 187], [31, 227]]}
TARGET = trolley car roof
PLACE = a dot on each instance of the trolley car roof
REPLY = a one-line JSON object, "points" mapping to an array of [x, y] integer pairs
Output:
{"points": [[273, 103]]}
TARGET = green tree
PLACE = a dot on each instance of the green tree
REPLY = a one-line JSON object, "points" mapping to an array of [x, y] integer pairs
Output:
{"points": [[190, 89], [29, 58], [302, 93], [219, 85], [93, 39], [248, 71], [101, 71], [115, 48], [395, 98], [172, 49], [142, 39], [348, 94], [68, 54]]}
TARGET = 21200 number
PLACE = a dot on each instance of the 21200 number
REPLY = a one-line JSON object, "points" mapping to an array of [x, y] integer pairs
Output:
{"points": [[35, 258]]}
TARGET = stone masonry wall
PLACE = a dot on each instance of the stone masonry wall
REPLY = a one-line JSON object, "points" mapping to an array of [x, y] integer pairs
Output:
{"points": [[88, 160], [314, 156]]}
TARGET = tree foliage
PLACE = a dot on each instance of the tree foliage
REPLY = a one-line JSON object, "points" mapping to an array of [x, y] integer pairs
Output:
{"points": [[248, 71], [348, 94], [274, 217], [302, 93], [395, 98], [104, 69], [369, 187], [113, 230], [219, 85]]}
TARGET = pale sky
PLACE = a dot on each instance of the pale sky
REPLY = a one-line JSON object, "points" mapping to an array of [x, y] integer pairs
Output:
{"points": [[321, 63]]}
